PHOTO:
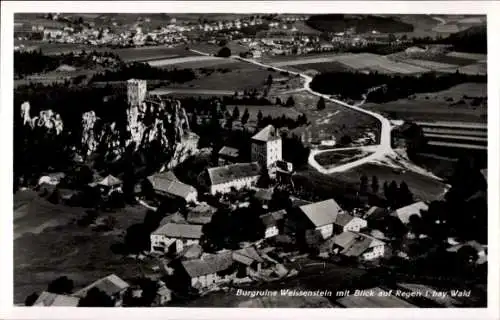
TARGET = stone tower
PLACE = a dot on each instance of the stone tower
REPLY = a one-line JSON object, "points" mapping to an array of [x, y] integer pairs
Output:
{"points": [[136, 92], [267, 146]]}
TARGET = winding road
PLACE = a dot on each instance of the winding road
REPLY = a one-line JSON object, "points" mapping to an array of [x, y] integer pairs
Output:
{"points": [[380, 150]]}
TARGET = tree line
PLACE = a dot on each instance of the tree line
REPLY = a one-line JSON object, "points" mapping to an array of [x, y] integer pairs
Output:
{"points": [[354, 84]]}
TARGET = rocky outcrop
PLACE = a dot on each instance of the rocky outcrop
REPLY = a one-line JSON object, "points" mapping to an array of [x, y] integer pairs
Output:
{"points": [[47, 119]]}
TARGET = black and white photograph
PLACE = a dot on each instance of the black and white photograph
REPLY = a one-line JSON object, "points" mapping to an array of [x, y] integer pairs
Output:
{"points": [[251, 159]]}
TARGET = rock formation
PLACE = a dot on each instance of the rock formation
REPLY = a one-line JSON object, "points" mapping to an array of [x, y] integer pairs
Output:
{"points": [[46, 119]]}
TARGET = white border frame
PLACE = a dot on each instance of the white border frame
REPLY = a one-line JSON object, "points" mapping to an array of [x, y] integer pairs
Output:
{"points": [[491, 8]]}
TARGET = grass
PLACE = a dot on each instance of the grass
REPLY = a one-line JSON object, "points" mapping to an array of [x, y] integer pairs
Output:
{"points": [[64, 248], [324, 67], [334, 121], [423, 187], [214, 48], [334, 158], [249, 77], [152, 53]]}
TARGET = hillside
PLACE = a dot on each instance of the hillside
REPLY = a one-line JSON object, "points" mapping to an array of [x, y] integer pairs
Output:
{"points": [[361, 24], [473, 39]]}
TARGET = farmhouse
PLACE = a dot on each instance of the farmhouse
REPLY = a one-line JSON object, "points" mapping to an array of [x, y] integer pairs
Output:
{"points": [[272, 222], [405, 213], [163, 295], [361, 246], [173, 237], [318, 218], [201, 273], [111, 285], [108, 185], [237, 176], [346, 222], [228, 155], [167, 184], [267, 146], [48, 299]]}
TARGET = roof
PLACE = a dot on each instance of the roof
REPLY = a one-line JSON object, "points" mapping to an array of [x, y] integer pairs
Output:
{"points": [[199, 217], [110, 181], [173, 218], [193, 251], [177, 230], [343, 219], [355, 243], [345, 239], [376, 301], [271, 219], [405, 213], [322, 213], [110, 285], [219, 175], [247, 256], [48, 299], [269, 133], [167, 182], [209, 264], [229, 152]]}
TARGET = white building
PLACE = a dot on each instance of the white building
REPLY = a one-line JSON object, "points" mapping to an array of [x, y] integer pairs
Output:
{"points": [[345, 222], [166, 183], [237, 176], [359, 245], [173, 237], [267, 146], [136, 92], [319, 218]]}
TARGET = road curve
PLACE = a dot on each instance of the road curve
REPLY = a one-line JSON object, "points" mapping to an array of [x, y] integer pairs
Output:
{"points": [[382, 149]]}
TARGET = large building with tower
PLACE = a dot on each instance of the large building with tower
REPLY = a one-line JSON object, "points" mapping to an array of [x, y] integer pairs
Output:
{"points": [[267, 147]]}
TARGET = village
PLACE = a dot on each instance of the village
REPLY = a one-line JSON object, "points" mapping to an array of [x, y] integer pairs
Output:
{"points": [[240, 225]]}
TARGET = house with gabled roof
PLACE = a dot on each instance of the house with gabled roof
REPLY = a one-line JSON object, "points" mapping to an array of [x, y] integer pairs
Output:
{"points": [[346, 222], [358, 245], [228, 155], [171, 238], [167, 184], [406, 212], [237, 176], [112, 285], [209, 270], [248, 260], [317, 219]]}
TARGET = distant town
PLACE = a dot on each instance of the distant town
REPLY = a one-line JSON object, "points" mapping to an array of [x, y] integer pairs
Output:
{"points": [[259, 160]]}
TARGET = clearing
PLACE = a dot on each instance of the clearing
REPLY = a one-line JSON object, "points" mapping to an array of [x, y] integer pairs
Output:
{"points": [[333, 122], [213, 49]]}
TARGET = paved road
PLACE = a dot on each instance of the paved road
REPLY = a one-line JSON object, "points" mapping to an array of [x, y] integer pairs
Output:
{"points": [[382, 149]]}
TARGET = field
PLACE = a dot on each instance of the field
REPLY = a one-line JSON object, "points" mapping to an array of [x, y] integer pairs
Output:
{"points": [[48, 244], [235, 48], [334, 121], [454, 104], [249, 77], [323, 67], [189, 62], [335, 158], [152, 53], [356, 61], [423, 187]]}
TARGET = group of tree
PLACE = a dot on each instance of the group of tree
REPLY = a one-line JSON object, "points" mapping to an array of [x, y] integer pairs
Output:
{"points": [[341, 22], [224, 52], [354, 84], [145, 71], [61, 285], [397, 196]]}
